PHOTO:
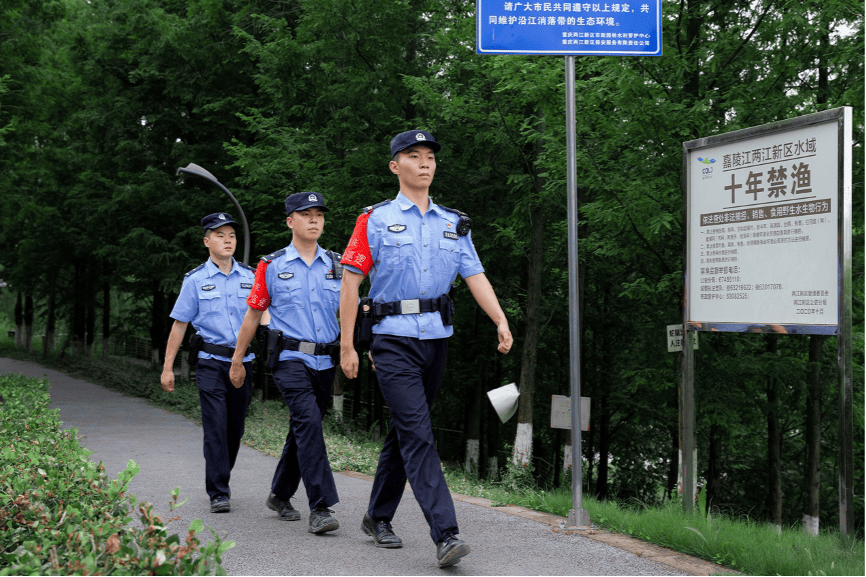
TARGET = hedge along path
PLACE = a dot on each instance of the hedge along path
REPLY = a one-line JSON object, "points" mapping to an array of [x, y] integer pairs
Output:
{"points": [[60, 513]]}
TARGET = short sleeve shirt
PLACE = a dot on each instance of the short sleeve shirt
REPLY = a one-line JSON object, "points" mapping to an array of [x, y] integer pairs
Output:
{"points": [[411, 256], [303, 301], [215, 304]]}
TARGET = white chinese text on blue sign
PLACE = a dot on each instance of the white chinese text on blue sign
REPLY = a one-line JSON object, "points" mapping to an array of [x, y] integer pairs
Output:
{"points": [[561, 28]]}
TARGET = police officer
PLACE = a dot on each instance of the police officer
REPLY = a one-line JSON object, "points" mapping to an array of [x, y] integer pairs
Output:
{"points": [[213, 298], [300, 286], [412, 249]]}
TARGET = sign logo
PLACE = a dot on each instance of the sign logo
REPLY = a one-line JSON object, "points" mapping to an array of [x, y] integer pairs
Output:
{"points": [[397, 227], [285, 275], [420, 136], [707, 170]]}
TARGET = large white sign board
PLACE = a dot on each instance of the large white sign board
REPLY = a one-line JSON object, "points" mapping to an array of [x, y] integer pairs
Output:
{"points": [[763, 239]]}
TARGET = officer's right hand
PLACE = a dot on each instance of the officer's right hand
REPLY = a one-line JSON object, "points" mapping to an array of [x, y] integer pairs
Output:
{"points": [[237, 374], [167, 380], [349, 362]]}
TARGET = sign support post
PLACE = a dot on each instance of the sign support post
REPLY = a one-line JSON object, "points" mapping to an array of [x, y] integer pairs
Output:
{"points": [[577, 516]]}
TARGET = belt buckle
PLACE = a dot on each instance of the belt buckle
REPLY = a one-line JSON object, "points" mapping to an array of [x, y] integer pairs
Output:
{"points": [[307, 348], [410, 307]]}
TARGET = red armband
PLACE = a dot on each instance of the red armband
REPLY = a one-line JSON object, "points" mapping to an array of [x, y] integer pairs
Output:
{"points": [[357, 253], [259, 298]]}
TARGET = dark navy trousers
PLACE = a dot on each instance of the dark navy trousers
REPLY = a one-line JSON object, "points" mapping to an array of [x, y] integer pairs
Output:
{"points": [[307, 393], [410, 372], [223, 412]]}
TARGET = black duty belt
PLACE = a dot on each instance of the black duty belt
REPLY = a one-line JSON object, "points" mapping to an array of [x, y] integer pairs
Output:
{"points": [[220, 350], [411, 307], [309, 348]]}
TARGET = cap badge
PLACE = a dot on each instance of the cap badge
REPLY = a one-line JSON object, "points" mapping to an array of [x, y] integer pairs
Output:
{"points": [[312, 198], [222, 216], [420, 136]]}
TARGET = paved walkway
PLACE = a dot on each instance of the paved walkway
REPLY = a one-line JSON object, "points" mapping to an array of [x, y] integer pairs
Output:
{"points": [[168, 447]]}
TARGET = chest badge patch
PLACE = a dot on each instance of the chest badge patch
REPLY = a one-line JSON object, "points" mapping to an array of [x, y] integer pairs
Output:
{"points": [[397, 227], [451, 235], [208, 287], [246, 285], [285, 275]]}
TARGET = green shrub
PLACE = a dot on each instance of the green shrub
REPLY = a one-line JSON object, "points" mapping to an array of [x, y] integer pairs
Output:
{"points": [[60, 514]]}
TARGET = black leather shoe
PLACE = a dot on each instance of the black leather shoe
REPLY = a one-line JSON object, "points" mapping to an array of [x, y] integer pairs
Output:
{"points": [[381, 533], [284, 509], [321, 520], [450, 549], [220, 504]]}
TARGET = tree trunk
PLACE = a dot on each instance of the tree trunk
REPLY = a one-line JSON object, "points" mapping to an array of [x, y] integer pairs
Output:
{"points": [[774, 443], [339, 381], [493, 430], [473, 414], [89, 327], [78, 309], [603, 446], [19, 321], [158, 334], [106, 320], [812, 481], [714, 470], [28, 322], [673, 462], [50, 342], [523, 442]]}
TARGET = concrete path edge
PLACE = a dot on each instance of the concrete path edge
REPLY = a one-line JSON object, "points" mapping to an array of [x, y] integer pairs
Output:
{"points": [[662, 555]]}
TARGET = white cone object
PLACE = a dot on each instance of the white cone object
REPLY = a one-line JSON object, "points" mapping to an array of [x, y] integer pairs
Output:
{"points": [[504, 401]]}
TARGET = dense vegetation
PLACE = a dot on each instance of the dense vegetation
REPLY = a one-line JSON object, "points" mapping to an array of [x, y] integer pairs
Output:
{"points": [[60, 514], [102, 100]]}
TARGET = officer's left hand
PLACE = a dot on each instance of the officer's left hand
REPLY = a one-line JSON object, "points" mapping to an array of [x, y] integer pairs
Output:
{"points": [[505, 340], [237, 374]]}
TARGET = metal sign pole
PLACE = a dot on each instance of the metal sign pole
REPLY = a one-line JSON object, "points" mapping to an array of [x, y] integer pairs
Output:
{"points": [[577, 516]]}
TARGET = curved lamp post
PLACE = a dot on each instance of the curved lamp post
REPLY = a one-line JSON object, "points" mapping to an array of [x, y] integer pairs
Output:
{"points": [[196, 170]]}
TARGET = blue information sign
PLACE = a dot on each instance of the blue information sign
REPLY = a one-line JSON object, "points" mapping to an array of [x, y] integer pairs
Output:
{"points": [[562, 28]]}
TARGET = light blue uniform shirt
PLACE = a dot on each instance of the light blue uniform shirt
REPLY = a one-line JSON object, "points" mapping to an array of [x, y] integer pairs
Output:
{"points": [[215, 303], [416, 256], [304, 302]]}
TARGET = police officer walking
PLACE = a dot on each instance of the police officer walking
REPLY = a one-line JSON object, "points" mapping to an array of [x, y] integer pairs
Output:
{"points": [[213, 298], [412, 249], [300, 286]]}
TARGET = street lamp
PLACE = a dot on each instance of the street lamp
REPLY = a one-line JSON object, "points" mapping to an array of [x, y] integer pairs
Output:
{"points": [[196, 170]]}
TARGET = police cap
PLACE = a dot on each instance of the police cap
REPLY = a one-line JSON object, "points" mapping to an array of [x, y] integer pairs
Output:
{"points": [[304, 200], [412, 137], [216, 220]]}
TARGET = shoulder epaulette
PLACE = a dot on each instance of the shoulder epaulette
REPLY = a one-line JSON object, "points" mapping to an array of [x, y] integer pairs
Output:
{"points": [[338, 266], [464, 224], [199, 267], [246, 266], [273, 255], [375, 206]]}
